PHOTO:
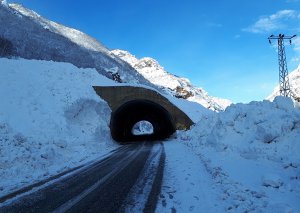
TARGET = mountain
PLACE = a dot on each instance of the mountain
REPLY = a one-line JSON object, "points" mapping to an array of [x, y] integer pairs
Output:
{"points": [[28, 35], [179, 87], [294, 79]]}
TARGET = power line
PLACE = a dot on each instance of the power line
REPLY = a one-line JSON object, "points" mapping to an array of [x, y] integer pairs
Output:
{"points": [[284, 84]]}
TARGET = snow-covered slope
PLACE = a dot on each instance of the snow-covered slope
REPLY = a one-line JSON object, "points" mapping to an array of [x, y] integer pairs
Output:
{"points": [[51, 119], [28, 35], [251, 152], [294, 79], [174, 85]]}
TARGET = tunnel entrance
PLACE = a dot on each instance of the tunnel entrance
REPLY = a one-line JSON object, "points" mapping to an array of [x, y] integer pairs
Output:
{"points": [[124, 119]]}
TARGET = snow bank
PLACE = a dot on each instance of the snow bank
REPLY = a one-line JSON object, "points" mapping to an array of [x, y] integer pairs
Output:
{"points": [[50, 119], [186, 186], [252, 153], [262, 124]]}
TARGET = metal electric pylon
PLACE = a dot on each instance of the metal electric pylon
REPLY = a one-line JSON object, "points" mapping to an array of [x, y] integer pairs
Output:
{"points": [[284, 84]]}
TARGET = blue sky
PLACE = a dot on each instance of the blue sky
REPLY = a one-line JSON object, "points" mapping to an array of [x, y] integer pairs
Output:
{"points": [[220, 46]]}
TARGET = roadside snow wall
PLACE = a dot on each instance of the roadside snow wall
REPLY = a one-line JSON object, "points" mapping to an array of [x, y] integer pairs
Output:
{"points": [[51, 119]]}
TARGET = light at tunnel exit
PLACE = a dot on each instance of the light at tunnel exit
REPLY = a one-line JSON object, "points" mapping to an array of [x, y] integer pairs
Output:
{"points": [[142, 128]]}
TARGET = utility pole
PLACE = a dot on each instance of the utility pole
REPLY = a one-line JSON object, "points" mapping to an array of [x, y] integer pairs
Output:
{"points": [[284, 84]]}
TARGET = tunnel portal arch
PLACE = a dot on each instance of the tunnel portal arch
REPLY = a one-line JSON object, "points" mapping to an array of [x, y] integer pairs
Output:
{"points": [[131, 104], [128, 114]]}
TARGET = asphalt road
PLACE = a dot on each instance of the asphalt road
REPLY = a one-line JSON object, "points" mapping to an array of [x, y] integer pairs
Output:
{"points": [[127, 180]]}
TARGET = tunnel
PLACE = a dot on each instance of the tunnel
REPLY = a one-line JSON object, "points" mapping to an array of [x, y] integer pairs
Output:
{"points": [[128, 114]]}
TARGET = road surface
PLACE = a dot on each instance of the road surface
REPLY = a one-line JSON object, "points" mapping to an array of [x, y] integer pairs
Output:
{"points": [[127, 180]]}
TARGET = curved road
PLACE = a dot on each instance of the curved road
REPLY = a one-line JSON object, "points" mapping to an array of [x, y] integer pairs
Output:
{"points": [[127, 180]]}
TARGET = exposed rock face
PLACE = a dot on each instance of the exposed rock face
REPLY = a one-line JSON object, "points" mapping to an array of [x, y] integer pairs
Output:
{"points": [[174, 85]]}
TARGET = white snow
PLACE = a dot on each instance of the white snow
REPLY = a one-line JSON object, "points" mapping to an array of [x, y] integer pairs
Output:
{"points": [[51, 120], [247, 161], [186, 187], [74, 35], [173, 85], [193, 110], [142, 128], [240, 160], [294, 80], [4, 2], [139, 193]]}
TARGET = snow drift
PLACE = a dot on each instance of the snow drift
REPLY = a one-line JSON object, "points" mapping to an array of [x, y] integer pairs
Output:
{"points": [[51, 119], [252, 153]]}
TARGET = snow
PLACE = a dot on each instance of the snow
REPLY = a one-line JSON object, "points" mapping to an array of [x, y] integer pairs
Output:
{"points": [[294, 80], [193, 110], [244, 159], [4, 2], [74, 35], [142, 128], [35, 37], [171, 84], [139, 193], [51, 120], [251, 152], [186, 187]]}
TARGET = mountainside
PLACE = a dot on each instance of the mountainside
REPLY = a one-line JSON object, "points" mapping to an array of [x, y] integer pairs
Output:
{"points": [[28, 35], [294, 79], [174, 85]]}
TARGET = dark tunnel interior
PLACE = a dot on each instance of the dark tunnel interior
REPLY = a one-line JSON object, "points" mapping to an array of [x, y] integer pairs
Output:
{"points": [[127, 115]]}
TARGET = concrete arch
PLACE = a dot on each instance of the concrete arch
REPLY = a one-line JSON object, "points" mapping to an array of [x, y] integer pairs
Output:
{"points": [[132, 104]]}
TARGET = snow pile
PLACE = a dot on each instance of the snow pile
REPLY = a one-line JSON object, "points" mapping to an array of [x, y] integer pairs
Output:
{"points": [[51, 119], [252, 153], [173, 85]]}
